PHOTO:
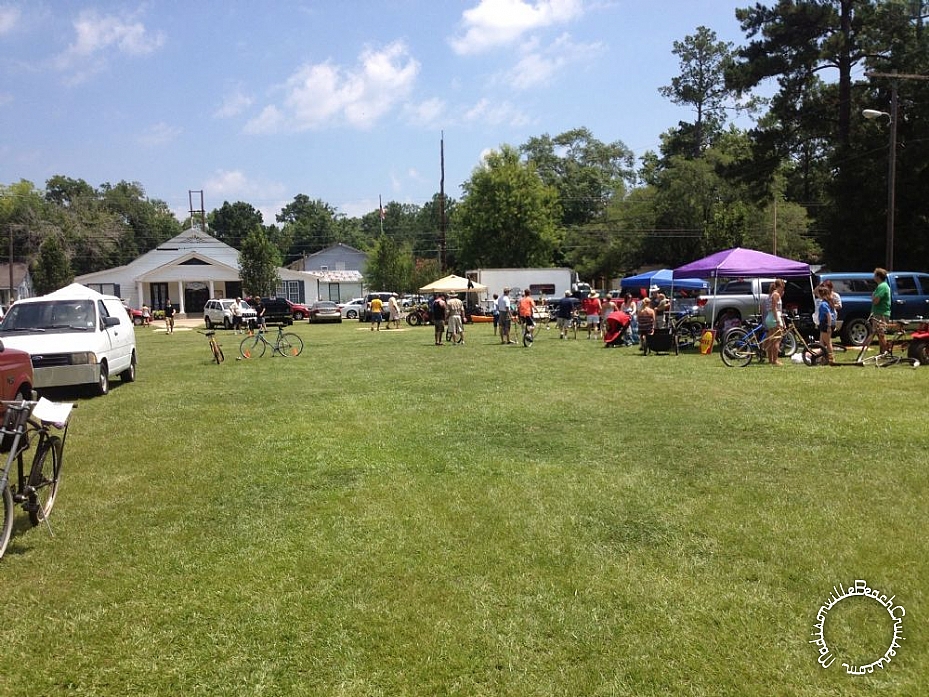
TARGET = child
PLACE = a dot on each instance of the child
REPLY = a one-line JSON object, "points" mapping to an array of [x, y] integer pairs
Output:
{"points": [[826, 314]]}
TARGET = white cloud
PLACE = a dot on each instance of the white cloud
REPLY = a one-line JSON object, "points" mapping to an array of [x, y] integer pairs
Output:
{"points": [[233, 105], [494, 23], [9, 18], [485, 112], [324, 94], [97, 36], [159, 134], [537, 66]]}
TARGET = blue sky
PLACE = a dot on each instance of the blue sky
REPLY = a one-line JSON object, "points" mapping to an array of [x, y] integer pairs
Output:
{"points": [[342, 101]]}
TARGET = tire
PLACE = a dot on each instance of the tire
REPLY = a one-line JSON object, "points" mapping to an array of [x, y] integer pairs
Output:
{"points": [[298, 316], [736, 351], [413, 319], [527, 339], [227, 323], [816, 355], [689, 335], [252, 347], [138, 321], [128, 375], [6, 524], [919, 351], [788, 345], [290, 345], [855, 331], [103, 382], [208, 322], [45, 478], [721, 320], [351, 314]]}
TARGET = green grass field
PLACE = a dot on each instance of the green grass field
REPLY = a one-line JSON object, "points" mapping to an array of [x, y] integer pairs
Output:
{"points": [[380, 516]]}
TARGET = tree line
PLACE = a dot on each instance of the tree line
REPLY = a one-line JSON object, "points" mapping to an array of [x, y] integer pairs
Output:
{"points": [[808, 180]]}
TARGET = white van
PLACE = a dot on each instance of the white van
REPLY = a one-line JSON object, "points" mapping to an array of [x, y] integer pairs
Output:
{"points": [[75, 336]]}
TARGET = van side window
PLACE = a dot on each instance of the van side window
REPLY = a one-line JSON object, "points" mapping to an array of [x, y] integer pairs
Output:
{"points": [[906, 285], [101, 308]]}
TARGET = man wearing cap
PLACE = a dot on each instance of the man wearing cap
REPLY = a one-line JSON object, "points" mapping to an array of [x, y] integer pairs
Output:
{"points": [[455, 311], [506, 316], [592, 307], [566, 309]]}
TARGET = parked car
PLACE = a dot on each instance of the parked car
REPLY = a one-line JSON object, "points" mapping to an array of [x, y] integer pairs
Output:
{"points": [[384, 296], [218, 313], [75, 336], [325, 311], [135, 315], [15, 374], [909, 299], [277, 310], [353, 309], [298, 311]]}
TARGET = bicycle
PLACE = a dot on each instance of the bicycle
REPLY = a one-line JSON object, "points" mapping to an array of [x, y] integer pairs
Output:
{"points": [[687, 330], [897, 337], [286, 344], [215, 348], [36, 490]]}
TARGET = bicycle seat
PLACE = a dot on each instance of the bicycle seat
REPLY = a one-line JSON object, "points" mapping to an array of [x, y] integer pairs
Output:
{"points": [[210, 332]]}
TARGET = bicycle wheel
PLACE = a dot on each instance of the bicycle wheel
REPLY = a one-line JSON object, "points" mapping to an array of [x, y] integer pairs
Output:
{"points": [[217, 352], [45, 477], [7, 523], [788, 345], [252, 347], [527, 337], [737, 350], [290, 344]]}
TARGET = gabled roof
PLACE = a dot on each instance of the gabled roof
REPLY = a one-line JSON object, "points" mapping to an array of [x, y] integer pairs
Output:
{"points": [[20, 269], [335, 246]]}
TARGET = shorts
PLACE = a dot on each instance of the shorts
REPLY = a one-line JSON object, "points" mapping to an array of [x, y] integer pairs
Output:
{"points": [[439, 325], [593, 320], [877, 323], [376, 317], [527, 320], [565, 322], [455, 325], [505, 321]]}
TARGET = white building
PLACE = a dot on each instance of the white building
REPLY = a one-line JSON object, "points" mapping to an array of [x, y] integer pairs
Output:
{"points": [[189, 270]]}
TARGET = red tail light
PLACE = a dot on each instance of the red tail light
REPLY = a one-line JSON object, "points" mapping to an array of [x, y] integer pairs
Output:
{"points": [[701, 302]]}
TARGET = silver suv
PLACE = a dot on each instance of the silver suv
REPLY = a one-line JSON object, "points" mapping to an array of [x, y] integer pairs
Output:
{"points": [[218, 313]]}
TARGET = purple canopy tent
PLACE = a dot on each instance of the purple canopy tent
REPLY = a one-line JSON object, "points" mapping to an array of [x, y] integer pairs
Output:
{"points": [[738, 262]]}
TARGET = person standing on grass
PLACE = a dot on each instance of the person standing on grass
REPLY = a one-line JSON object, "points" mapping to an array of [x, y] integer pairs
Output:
{"points": [[826, 315], [170, 311], [774, 321], [377, 308], [526, 309], [592, 307], [631, 308], [261, 320], [495, 311], [646, 320], [880, 307], [438, 318], [455, 311], [565, 311], [393, 312], [506, 317], [237, 315]]}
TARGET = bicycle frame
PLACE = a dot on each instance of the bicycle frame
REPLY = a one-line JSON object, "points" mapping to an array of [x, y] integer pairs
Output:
{"points": [[896, 337]]}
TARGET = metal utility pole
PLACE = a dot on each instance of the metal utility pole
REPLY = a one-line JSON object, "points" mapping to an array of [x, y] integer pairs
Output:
{"points": [[443, 222], [201, 212]]}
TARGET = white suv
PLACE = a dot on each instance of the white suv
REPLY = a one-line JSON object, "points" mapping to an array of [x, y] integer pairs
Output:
{"points": [[218, 313]]}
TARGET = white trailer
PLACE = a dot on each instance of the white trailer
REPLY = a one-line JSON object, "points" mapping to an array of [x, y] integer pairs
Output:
{"points": [[550, 283]]}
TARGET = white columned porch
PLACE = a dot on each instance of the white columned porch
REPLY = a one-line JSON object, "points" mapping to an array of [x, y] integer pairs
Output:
{"points": [[180, 297]]}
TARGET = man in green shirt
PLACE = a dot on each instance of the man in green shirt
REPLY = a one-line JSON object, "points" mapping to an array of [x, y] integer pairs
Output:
{"points": [[880, 307]]}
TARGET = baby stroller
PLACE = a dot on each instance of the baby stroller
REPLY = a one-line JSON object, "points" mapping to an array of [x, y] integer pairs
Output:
{"points": [[617, 324]]}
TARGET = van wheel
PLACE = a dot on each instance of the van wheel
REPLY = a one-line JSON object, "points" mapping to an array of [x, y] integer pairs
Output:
{"points": [[227, 324], [103, 383], [128, 375]]}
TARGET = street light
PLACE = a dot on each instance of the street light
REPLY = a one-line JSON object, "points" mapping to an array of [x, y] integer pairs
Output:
{"points": [[891, 169]]}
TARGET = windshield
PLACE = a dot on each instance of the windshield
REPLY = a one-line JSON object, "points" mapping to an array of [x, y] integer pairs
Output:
{"points": [[55, 314]]}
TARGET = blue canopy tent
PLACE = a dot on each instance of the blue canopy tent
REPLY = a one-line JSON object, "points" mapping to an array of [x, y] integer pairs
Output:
{"points": [[663, 278]]}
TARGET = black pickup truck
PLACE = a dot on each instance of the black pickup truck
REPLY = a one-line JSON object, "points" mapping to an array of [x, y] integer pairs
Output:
{"points": [[909, 299]]}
